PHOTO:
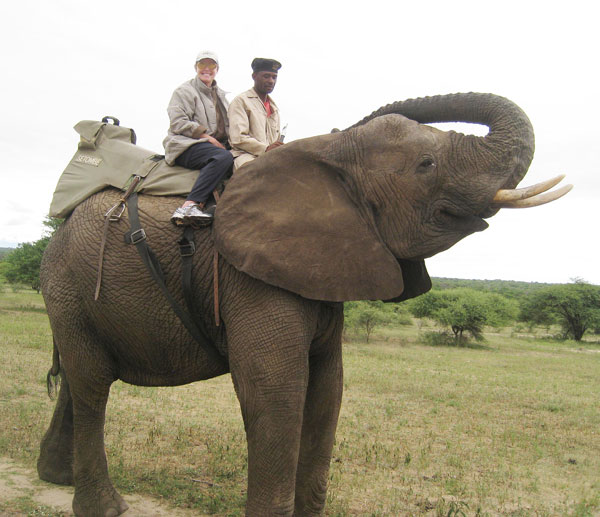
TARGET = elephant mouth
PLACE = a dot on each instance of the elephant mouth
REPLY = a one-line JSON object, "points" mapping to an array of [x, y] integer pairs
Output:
{"points": [[459, 221]]}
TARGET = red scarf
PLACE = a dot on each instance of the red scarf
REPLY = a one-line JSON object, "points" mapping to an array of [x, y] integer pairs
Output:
{"points": [[267, 105]]}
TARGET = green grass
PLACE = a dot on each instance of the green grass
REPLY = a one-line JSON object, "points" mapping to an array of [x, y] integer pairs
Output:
{"points": [[510, 427], [20, 299], [27, 506]]}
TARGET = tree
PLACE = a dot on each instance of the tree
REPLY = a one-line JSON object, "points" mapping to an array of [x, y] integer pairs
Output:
{"points": [[464, 310], [52, 224], [22, 265], [367, 315], [575, 307]]}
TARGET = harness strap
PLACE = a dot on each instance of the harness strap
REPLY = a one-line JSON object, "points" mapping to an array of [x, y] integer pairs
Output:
{"points": [[101, 258], [216, 286], [187, 248], [137, 237], [109, 217], [216, 274]]}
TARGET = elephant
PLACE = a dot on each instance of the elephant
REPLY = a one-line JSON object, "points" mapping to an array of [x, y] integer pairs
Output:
{"points": [[343, 216]]}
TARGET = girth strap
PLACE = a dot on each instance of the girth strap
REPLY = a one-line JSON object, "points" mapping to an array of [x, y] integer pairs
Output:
{"points": [[187, 248], [137, 237]]}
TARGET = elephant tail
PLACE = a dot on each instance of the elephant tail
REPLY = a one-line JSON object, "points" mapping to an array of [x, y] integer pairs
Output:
{"points": [[52, 379]]}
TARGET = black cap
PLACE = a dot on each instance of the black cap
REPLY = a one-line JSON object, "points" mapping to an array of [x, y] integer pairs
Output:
{"points": [[261, 64]]}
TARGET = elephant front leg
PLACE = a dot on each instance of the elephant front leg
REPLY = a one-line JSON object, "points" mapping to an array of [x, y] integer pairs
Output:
{"points": [[271, 394], [273, 444], [322, 406], [55, 463]]}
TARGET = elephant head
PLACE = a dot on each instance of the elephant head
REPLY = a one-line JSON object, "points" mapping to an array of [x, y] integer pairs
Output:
{"points": [[352, 214]]}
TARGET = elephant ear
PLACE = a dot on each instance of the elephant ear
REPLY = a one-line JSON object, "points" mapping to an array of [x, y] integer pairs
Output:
{"points": [[289, 219]]}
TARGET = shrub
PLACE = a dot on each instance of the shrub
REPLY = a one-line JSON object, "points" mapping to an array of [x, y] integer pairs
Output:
{"points": [[432, 338], [575, 307], [368, 315], [465, 310]]}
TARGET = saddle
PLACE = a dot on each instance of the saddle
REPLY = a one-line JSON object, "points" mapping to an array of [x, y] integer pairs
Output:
{"points": [[107, 156]]}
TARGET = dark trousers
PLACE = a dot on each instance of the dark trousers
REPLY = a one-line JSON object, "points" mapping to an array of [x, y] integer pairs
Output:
{"points": [[213, 164]]}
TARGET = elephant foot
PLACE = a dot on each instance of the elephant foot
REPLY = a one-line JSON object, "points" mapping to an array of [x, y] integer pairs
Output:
{"points": [[105, 503], [55, 469], [262, 510], [55, 463]]}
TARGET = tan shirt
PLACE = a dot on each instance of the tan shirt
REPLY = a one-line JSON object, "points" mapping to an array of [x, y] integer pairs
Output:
{"points": [[250, 130]]}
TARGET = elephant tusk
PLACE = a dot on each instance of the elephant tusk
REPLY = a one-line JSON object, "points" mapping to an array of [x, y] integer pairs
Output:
{"points": [[504, 195], [538, 200]]}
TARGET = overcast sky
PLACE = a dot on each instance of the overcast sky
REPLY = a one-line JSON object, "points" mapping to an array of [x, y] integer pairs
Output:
{"points": [[66, 61]]}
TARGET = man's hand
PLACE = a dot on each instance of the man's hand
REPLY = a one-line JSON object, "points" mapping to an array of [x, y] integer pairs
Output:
{"points": [[274, 145]]}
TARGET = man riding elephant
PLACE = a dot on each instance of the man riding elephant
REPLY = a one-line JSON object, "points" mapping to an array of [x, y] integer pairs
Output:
{"points": [[254, 117]]}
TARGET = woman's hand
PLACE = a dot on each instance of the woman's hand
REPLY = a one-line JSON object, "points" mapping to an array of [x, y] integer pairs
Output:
{"points": [[213, 141]]}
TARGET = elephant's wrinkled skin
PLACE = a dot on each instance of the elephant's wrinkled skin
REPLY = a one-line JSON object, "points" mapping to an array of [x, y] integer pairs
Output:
{"points": [[342, 216]]}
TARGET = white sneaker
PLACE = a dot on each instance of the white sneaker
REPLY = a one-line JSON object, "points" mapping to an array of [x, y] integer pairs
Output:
{"points": [[178, 216], [195, 216]]}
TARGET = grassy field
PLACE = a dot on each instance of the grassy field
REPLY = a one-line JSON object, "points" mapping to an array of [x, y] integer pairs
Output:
{"points": [[510, 427]]}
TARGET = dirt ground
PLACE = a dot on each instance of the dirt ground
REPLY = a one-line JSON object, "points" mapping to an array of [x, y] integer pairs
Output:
{"points": [[19, 482]]}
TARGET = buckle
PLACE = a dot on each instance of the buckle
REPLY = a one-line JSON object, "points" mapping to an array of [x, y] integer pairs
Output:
{"points": [[187, 249], [136, 237], [113, 218]]}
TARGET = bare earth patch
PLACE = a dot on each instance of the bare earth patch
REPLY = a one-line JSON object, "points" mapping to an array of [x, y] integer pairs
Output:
{"points": [[17, 482]]}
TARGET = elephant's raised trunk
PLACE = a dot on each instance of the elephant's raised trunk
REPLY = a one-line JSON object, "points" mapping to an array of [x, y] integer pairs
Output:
{"points": [[505, 152], [503, 155]]}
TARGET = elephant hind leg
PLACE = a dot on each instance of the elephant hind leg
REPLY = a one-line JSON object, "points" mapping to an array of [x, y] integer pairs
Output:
{"points": [[95, 495], [55, 463], [87, 371]]}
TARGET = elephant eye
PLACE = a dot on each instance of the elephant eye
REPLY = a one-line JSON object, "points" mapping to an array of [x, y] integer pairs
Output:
{"points": [[427, 164]]}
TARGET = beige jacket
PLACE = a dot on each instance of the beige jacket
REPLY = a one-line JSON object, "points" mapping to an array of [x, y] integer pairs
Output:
{"points": [[191, 107], [250, 130]]}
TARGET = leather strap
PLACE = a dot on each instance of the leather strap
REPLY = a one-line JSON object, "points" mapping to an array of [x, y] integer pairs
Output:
{"points": [[109, 217], [216, 274], [187, 248], [216, 286], [137, 237], [101, 257]]}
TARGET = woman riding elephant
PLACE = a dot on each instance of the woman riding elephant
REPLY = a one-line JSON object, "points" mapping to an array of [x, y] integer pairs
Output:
{"points": [[198, 138]]}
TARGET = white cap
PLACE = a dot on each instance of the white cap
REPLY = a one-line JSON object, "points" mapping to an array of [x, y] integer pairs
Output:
{"points": [[207, 54]]}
